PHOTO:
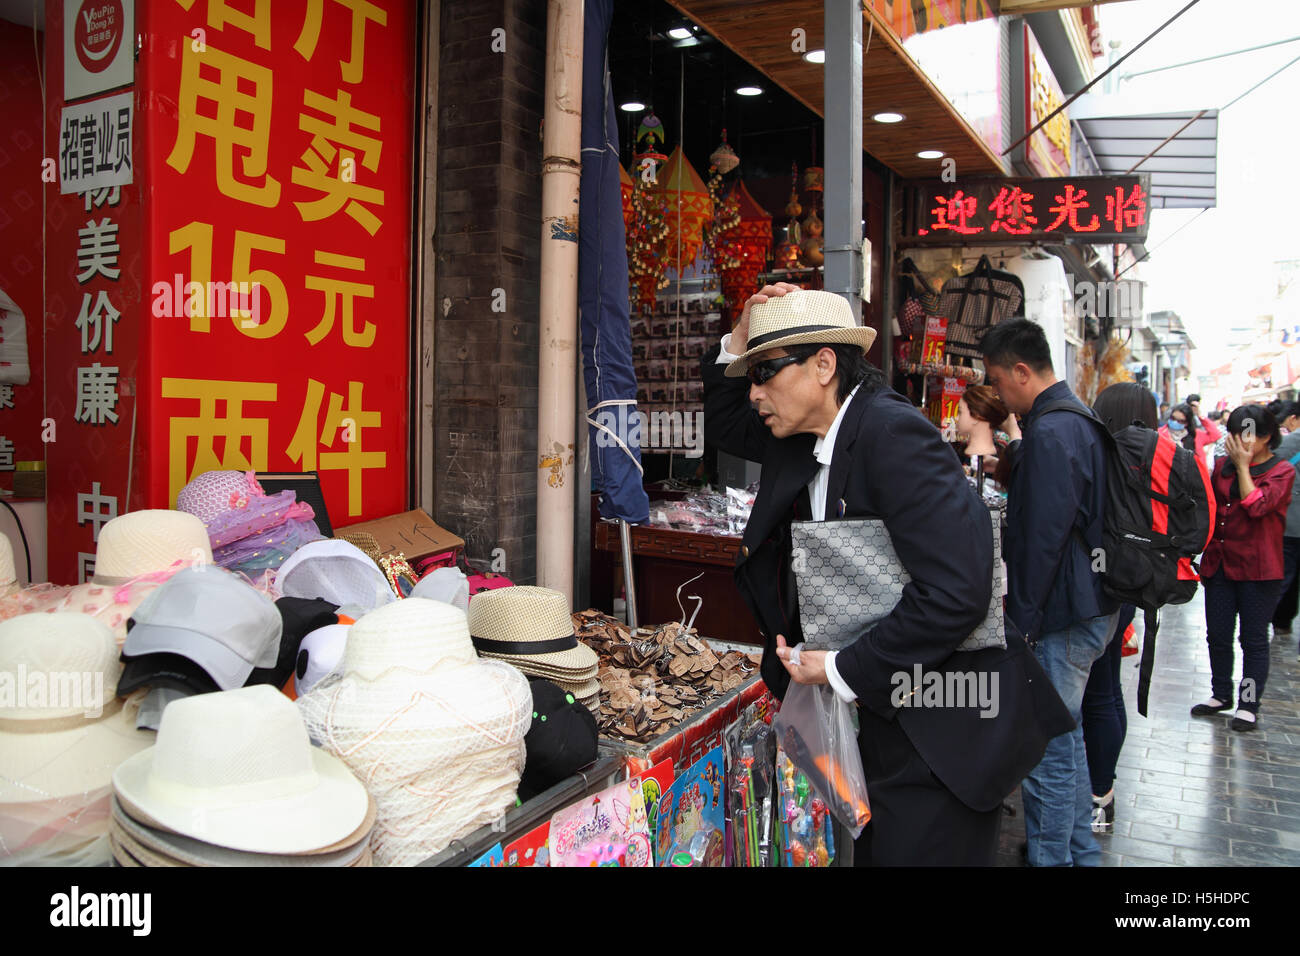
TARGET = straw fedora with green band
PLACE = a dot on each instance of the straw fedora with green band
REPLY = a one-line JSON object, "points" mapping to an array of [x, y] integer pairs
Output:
{"points": [[530, 628], [806, 317]]}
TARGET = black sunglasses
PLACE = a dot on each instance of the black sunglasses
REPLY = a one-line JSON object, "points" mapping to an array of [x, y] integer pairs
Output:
{"points": [[760, 373]]}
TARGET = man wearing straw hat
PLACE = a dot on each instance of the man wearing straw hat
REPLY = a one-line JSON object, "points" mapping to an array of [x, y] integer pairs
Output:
{"points": [[790, 388]]}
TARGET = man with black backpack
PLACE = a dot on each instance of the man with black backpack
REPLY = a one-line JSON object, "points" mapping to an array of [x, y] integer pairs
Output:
{"points": [[1055, 518]]}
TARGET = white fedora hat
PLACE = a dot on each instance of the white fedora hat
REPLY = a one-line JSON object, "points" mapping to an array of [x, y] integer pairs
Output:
{"points": [[62, 730], [143, 542], [335, 571], [530, 628], [804, 317], [236, 769]]}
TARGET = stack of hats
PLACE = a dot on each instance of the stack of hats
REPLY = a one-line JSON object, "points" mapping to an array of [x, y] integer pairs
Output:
{"points": [[531, 628], [62, 734], [251, 531], [205, 630], [436, 734], [136, 553], [234, 781]]}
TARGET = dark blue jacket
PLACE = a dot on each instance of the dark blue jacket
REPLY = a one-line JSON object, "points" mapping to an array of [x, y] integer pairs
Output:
{"points": [[1057, 493]]}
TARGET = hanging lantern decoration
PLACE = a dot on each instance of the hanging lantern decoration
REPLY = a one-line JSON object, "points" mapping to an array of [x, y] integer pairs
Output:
{"points": [[649, 142], [746, 245], [814, 180], [724, 158], [810, 248], [787, 253], [625, 187], [688, 209], [645, 239]]}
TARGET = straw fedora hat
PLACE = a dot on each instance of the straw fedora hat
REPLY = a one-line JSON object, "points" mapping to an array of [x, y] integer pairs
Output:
{"points": [[237, 770], [805, 317], [143, 542], [62, 730], [530, 628]]}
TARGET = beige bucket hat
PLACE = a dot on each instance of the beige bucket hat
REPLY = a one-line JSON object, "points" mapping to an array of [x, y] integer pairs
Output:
{"points": [[62, 730], [236, 769], [805, 317], [143, 542], [530, 628]]}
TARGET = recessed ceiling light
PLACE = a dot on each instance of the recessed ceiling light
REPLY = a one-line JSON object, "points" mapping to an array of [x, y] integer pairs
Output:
{"points": [[749, 90], [930, 154], [815, 56], [632, 106], [889, 117], [679, 33]]}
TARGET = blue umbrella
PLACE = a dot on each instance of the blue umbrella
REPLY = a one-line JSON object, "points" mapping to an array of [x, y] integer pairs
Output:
{"points": [[602, 288]]}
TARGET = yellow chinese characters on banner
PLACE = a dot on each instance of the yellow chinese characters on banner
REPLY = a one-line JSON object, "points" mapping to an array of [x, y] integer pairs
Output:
{"points": [[284, 181]]}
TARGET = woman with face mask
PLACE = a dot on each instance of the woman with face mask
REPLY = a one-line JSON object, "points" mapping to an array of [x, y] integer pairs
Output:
{"points": [[1185, 429]]}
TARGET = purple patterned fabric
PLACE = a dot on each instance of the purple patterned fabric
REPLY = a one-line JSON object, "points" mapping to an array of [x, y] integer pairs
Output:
{"points": [[250, 530]]}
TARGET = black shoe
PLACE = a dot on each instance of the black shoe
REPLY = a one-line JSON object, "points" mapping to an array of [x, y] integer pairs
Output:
{"points": [[1243, 726], [1209, 710]]}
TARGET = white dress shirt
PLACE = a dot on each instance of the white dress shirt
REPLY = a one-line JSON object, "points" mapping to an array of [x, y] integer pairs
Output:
{"points": [[824, 451]]}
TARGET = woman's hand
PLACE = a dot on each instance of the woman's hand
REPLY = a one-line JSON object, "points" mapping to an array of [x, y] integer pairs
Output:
{"points": [[740, 331], [1240, 450]]}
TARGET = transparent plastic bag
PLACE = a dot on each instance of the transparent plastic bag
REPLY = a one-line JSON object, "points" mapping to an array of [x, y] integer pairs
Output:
{"points": [[815, 729]]}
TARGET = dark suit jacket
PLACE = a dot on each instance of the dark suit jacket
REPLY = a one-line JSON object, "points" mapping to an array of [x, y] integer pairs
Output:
{"points": [[890, 462]]}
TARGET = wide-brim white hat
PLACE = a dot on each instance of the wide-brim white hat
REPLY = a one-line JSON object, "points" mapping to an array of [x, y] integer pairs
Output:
{"points": [[143, 542], [804, 317], [8, 575], [335, 571], [531, 628], [71, 739], [236, 769]]}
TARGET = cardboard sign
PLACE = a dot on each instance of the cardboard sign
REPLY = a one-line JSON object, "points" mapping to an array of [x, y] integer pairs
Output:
{"points": [[413, 533]]}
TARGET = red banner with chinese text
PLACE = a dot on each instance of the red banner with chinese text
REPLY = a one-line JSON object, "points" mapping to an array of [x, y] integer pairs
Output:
{"points": [[278, 153]]}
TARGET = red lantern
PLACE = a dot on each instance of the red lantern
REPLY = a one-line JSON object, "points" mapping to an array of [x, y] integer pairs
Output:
{"points": [[687, 208], [625, 187], [746, 247]]}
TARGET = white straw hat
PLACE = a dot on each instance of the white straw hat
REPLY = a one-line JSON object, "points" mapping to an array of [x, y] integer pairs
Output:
{"points": [[531, 628], [143, 542], [805, 317], [236, 769], [62, 730], [336, 571], [436, 734]]}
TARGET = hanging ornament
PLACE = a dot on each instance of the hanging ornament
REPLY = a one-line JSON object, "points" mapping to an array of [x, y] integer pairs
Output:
{"points": [[625, 188], [649, 140], [645, 239], [810, 248], [787, 253], [724, 158], [814, 179], [688, 210], [746, 244]]}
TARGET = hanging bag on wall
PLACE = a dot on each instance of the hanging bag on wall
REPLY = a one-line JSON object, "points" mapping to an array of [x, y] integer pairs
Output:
{"points": [[919, 299], [976, 302]]}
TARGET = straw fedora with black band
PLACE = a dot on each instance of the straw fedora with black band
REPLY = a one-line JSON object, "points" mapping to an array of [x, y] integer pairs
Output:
{"points": [[530, 627], [803, 317]]}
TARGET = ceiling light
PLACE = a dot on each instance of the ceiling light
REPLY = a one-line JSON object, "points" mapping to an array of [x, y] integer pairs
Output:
{"points": [[632, 106], [889, 117], [680, 33], [930, 154], [689, 41], [815, 56], [749, 90]]}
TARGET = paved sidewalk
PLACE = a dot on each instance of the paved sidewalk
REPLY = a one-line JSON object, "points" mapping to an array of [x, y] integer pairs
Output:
{"points": [[1190, 791]]}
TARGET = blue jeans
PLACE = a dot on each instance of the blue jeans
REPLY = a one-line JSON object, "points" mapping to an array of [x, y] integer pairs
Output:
{"points": [[1058, 793]]}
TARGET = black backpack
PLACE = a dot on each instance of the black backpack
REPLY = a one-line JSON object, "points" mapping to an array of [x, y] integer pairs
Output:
{"points": [[1159, 516]]}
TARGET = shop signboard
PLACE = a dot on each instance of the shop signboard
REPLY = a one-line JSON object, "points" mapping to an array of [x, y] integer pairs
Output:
{"points": [[98, 46], [254, 313], [1091, 209], [1047, 151]]}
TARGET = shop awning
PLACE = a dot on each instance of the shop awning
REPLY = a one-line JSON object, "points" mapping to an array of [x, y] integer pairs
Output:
{"points": [[760, 33], [1183, 170]]}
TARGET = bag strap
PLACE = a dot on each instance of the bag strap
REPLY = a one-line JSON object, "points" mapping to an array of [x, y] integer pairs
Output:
{"points": [[1152, 619]]}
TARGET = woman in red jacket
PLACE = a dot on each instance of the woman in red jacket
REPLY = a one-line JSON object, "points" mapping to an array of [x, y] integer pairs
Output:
{"points": [[1187, 429], [1242, 567]]}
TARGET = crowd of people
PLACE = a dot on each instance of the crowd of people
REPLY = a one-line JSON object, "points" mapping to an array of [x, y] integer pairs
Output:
{"points": [[789, 387]]}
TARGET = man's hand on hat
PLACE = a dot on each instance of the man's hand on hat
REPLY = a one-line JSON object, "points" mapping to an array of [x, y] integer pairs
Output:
{"points": [[810, 667], [740, 331]]}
